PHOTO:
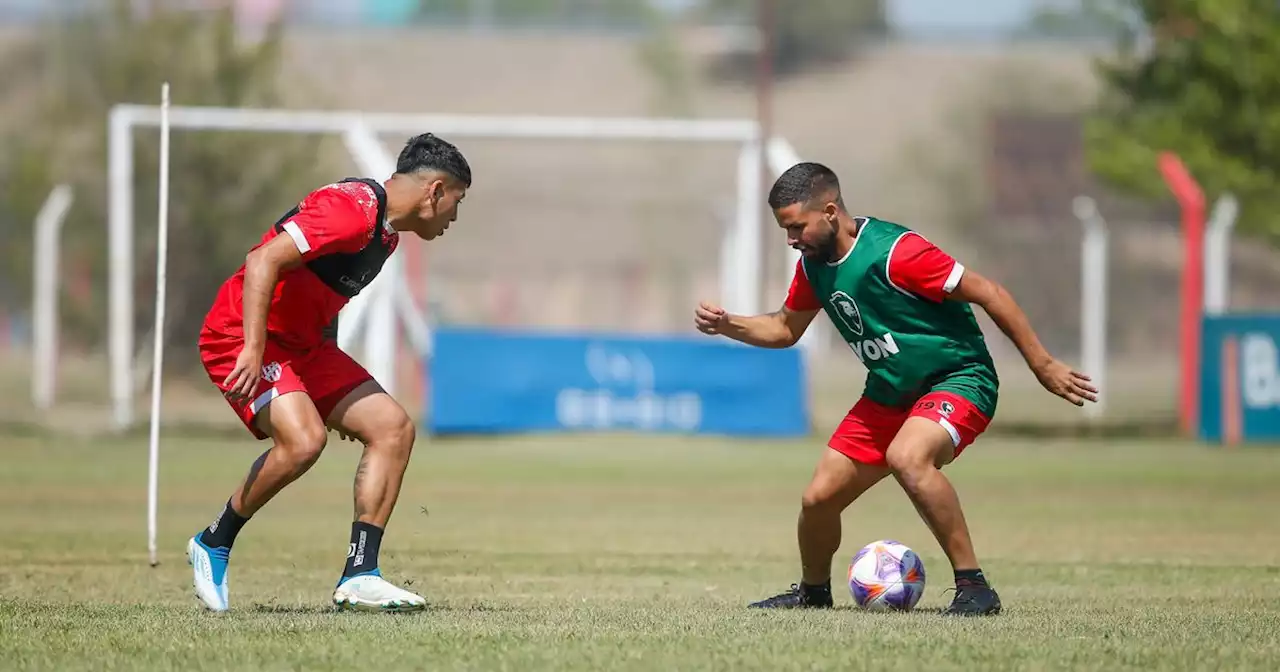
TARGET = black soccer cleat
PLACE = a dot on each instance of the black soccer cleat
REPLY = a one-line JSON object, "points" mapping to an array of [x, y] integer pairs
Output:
{"points": [[800, 596], [973, 599]]}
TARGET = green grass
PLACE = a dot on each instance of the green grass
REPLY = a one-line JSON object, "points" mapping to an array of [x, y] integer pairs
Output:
{"points": [[639, 553]]}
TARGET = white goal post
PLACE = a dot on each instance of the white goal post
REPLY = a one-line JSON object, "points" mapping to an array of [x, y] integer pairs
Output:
{"points": [[373, 314]]}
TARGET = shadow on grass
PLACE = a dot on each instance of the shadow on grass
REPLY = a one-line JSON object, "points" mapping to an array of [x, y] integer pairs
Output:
{"points": [[322, 610]]}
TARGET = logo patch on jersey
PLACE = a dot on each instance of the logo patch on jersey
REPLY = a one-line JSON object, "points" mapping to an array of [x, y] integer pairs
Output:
{"points": [[848, 311]]}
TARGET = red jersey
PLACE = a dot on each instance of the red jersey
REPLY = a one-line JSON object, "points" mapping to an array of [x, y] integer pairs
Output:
{"points": [[342, 233], [915, 265]]}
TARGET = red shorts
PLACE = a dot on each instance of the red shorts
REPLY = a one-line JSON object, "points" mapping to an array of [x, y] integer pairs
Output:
{"points": [[866, 432], [325, 373]]}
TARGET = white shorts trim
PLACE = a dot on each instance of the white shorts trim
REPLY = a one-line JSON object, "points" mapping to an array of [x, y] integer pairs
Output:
{"points": [[264, 399], [951, 429]]}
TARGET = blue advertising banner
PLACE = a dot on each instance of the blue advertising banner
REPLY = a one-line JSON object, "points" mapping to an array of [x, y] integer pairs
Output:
{"points": [[489, 381], [1240, 378]]}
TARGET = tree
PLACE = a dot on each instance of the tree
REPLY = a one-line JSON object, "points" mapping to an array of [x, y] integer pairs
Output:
{"points": [[1207, 88], [226, 188], [1079, 19]]}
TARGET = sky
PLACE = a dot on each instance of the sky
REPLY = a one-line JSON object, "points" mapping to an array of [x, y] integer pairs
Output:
{"points": [[975, 15], [959, 14], [908, 15]]}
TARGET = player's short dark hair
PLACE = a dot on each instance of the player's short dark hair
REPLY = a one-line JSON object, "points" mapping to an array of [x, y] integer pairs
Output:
{"points": [[428, 152], [805, 183]]}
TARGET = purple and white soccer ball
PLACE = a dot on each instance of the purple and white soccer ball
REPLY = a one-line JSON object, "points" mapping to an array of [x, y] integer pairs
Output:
{"points": [[886, 575]]}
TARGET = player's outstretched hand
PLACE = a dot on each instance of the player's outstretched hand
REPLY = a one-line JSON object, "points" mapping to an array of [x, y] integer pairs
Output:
{"points": [[709, 318], [1066, 382], [242, 382]]}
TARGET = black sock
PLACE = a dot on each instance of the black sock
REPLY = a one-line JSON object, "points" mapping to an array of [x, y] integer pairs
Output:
{"points": [[222, 533], [973, 577], [824, 587], [362, 555]]}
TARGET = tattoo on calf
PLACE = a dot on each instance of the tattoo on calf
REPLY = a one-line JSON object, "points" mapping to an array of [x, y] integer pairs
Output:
{"points": [[361, 470]]}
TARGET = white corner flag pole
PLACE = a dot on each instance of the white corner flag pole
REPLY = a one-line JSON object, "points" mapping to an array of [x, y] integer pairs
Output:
{"points": [[162, 251]]}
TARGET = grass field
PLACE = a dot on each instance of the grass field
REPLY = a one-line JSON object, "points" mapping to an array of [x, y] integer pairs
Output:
{"points": [[639, 553]]}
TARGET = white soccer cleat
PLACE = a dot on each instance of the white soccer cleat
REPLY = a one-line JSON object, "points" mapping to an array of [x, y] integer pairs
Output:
{"points": [[370, 592], [209, 570]]}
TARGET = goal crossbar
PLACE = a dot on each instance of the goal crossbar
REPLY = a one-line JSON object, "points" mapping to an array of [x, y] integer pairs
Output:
{"points": [[740, 254], [524, 127]]}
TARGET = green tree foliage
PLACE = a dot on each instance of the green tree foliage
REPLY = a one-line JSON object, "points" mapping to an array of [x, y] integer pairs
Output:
{"points": [[225, 188], [1206, 87], [1080, 19]]}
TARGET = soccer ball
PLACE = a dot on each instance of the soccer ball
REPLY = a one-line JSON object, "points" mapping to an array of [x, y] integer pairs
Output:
{"points": [[886, 576]]}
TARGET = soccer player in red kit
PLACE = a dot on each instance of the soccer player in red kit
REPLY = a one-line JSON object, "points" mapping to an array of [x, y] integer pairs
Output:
{"points": [[269, 344]]}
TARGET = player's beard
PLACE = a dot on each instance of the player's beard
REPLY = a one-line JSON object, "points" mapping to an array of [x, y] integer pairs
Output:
{"points": [[825, 249]]}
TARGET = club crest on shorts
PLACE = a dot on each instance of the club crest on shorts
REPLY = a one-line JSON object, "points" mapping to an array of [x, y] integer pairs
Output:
{"points": [[946, 408], [848, 311], [271, 372]]}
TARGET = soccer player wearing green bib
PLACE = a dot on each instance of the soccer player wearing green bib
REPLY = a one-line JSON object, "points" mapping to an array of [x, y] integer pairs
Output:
{"points": [[904, 308]]}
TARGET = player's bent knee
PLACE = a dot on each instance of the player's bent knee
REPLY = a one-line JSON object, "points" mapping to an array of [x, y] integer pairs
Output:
{"points": [[292, 421], [921, 445], [814, 501], [396, 433], [820, 496], [304, 445], [905, 460], [404, 433], [837, 481]]}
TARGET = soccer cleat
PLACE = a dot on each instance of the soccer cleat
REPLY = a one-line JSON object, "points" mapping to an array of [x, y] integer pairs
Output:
{"points": [[371, 592], [974, 599], [800, 596], [209, 569]]}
